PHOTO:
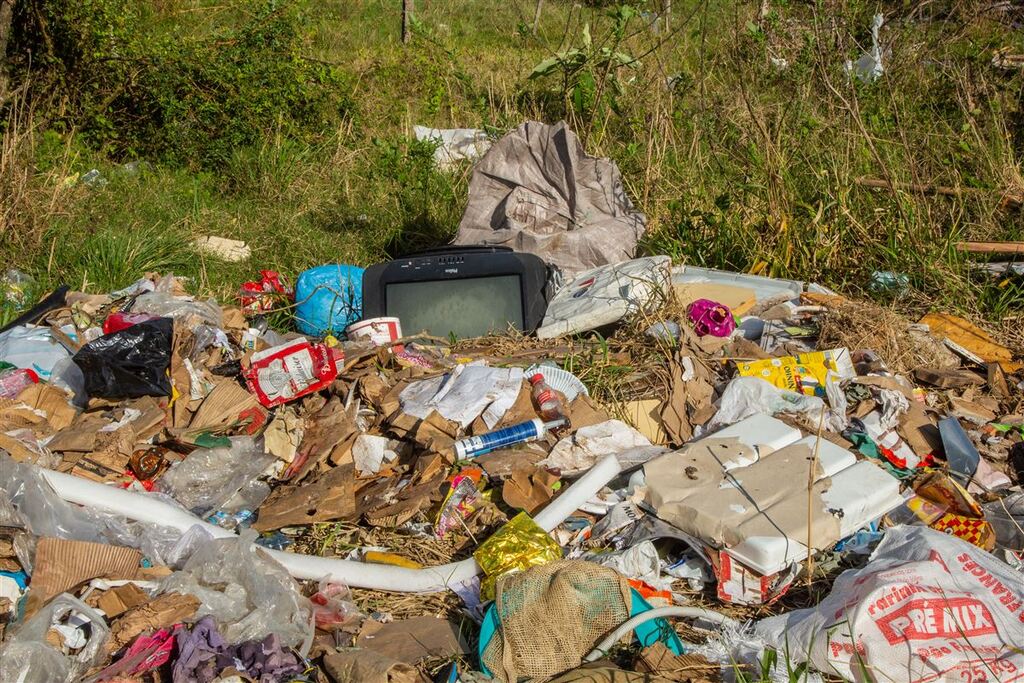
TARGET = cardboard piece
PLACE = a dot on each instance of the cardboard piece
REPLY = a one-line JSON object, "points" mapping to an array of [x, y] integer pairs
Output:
{"points": [[284, 433], [19, 450], [80, 437], [529, 488], [602, 672], [645, 417], [583, 413], [120, 599], [324, 430], [690, 394], [919, 430], [413, 640], [738, 299], [971, 411], [52, 401], [330, 497], [500, 463], [968, 336], [948, 378], [222, 407], [162, 611], [368, 666], [997, 381], [61, 565], [658, 659]]}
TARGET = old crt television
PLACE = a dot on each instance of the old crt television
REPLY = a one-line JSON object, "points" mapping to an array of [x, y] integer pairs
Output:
{"points": [[459, 290]]}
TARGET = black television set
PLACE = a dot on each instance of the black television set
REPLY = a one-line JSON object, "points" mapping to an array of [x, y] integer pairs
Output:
{"points": [[464, 291]]}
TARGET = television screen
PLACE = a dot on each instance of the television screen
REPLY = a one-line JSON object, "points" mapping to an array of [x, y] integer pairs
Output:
{"points": [[470, 307]]}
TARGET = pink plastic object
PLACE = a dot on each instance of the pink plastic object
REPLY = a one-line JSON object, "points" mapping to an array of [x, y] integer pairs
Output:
{"points": [[711, 317], [13, 381]]}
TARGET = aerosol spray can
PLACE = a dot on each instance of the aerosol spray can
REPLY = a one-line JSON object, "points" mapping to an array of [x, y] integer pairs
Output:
{"points": [[531, 430]]}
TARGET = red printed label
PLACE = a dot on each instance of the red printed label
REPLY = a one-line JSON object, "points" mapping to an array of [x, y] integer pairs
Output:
{"points": [[928, 618]]}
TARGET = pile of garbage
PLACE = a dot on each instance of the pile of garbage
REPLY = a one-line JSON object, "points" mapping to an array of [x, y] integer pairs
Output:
{"points": [[176, 477], [675, 474]]}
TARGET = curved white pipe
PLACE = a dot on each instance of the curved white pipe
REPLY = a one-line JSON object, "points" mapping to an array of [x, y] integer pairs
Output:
{"points": [[672, 611], [144, 508]]}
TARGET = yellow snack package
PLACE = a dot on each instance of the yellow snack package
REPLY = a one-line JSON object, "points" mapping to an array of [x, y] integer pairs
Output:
{"points": [[805, 373], [517, 546]]}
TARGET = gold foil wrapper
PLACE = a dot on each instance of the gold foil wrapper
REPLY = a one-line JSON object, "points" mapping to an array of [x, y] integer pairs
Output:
{"points": [[517, 546]]}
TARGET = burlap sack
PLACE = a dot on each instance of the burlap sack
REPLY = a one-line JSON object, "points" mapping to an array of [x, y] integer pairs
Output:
{"points": [[551, 616]]}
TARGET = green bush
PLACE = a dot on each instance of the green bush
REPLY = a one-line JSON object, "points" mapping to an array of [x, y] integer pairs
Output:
{"points": [[190, 98]]}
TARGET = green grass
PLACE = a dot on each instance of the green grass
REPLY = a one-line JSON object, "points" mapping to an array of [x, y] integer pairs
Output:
{"points": [[738, 163]]}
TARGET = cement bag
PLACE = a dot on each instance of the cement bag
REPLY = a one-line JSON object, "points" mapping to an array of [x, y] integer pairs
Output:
{"points": [[537, 191], [927, 607]]}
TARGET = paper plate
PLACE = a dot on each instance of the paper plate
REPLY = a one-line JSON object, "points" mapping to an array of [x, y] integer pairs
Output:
{"points": [[560, 380]]}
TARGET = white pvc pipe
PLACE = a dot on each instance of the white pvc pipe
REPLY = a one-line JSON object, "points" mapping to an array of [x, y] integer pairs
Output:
{"points": [[144, 508], [672, 611]]}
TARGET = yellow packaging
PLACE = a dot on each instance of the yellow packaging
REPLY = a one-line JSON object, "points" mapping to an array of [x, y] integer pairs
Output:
{"points": [[805, 373], [517, 546]]}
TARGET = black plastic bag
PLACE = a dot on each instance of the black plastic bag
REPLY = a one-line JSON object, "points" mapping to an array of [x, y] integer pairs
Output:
{"points": [[130, 363]]}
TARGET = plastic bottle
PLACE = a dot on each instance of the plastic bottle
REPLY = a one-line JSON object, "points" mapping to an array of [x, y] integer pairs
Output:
{"points": [[530, 430], [545, 400], [13, 381]]}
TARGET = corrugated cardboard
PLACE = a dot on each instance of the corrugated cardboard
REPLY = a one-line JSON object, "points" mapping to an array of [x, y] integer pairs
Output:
{"points": [[61, 565]]}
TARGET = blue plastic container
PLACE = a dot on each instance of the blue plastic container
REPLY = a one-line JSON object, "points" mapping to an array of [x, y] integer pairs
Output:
{"points": [[329, 299]]}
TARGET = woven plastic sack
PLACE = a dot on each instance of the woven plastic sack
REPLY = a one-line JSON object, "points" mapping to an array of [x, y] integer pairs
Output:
{"points": [[551, 616]]}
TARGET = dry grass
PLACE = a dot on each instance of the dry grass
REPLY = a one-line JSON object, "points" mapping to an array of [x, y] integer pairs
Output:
{"points": [[864, 325]]}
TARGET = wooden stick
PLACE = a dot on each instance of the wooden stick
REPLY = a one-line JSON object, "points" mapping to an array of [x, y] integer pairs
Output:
{"points": [[406, 24], [810, 497], [991, 247]]}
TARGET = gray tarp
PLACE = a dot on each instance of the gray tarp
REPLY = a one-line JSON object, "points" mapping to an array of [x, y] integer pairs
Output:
{"points": [[537, 191]]}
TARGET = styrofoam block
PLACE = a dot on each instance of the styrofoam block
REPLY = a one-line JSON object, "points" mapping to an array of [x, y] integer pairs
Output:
{"points": [[763, 433], [832, 458]]}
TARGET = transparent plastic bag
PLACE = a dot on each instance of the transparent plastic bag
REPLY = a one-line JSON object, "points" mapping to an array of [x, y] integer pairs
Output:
{"points": [[179, 308], [43, 511], [333, 607], [26, 657], [746, 396], [248, 593], [209, 478]]}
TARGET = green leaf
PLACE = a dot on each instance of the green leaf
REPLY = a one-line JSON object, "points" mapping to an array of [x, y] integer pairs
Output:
{"points": [[546, 67]]}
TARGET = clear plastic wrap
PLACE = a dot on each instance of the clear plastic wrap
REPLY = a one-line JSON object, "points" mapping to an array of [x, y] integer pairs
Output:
{"points": [[167, 306], [26, 656], [248, 593], [209, 478]]}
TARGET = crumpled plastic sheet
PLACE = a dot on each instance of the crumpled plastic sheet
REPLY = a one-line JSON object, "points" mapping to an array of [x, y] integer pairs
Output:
{"points": [[27, 500], [747, 396], [639, 562], [250, 594], [577, 453], [204, 653], [167, 306], [740, 649], [209, 477], [26, 657]]}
